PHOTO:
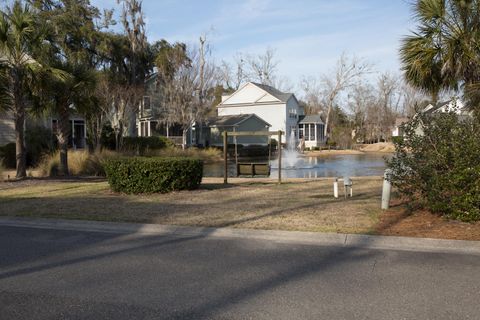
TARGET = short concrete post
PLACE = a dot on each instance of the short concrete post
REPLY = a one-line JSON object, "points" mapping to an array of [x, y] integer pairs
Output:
{"points": [[348, 186], [335, 188], [386, 190]]}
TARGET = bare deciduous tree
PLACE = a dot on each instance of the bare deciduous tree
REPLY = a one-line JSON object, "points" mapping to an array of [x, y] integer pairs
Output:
{"points": [[233, 75], [187, 95], [262, 68], [346, 72], [313, 95], [360, 99]]}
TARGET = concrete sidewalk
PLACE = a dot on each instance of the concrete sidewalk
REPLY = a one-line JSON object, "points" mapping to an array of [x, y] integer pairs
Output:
{"points": [[309, 238]]}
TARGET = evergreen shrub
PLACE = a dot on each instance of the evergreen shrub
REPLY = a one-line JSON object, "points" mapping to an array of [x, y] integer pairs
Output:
{"points": [[141, 145], [437, 164], [148, 175]]}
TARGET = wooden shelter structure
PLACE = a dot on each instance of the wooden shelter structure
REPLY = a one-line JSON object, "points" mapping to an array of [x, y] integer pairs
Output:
{"points": [[252, 168]]}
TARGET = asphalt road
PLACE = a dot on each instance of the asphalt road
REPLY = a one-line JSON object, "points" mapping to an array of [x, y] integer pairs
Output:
{"points": [[54, 274]]}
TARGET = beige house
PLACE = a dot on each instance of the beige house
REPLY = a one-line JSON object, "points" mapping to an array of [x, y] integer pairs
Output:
{"points": [[78, 132]]}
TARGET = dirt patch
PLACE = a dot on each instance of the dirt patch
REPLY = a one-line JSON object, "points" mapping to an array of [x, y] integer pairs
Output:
{"points": [[387, 147], [399, 221]]}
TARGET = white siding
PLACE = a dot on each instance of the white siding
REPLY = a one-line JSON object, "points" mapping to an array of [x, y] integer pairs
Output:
{"points": [[252, 99], [7, 129]]}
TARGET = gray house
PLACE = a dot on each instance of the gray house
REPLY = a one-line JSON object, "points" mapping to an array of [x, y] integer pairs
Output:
{"points": [[237, 123]]}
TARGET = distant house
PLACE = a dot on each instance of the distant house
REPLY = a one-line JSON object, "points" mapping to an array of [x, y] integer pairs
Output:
{"points": [[311, 129], [281, 110], [150, 117], [454, 105], [253, 107], [398, 128]]}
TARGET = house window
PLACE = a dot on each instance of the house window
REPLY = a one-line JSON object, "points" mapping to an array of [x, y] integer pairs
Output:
{"points": [[307, 132], [300, 131], [312, 132], [146, 103], [321, 128]]}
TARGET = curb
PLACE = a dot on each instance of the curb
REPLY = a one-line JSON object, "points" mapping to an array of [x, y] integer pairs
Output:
{"points": [[296, 237]]}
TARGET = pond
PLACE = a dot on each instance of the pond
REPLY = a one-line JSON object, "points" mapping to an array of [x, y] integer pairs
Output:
{"points": [[368, 164]]}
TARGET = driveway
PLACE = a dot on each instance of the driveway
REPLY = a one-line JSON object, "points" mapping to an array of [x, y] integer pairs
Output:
{"points": [[60, 274]]}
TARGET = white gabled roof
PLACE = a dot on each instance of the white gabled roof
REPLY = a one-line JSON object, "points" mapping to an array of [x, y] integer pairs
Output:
{"points": [[255, 93], [454, 105]]}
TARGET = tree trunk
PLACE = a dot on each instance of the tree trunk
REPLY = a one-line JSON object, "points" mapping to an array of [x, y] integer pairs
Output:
{"points": [[19, 115], [63, 132], [21, 154], [327, 120], [184, 139]]}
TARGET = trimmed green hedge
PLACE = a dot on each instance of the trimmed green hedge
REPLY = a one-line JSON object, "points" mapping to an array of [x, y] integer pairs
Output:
{"points": [[147, 175], [142, 144]]}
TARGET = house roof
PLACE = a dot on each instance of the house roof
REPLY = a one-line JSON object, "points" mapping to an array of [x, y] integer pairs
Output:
{"points": [[453, 105], [311, 118], [233, 120], [282, 96], [401, 121]]}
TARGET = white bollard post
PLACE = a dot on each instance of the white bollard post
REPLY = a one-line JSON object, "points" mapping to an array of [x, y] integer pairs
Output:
{"points": [[386, 190], [335, 188], [348, 184]]}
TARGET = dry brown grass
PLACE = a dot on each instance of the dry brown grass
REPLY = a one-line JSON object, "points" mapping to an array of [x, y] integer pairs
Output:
{"points": [[304, 205], [387, 147], [80, 162]]}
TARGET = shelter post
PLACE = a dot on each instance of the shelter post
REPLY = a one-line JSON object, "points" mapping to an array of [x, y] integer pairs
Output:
{"points": [[279, 156], [225, 155]]}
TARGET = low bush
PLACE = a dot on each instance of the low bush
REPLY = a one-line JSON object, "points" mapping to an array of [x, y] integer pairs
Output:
{"points": [[148, 175], [142, 145], [437, 165], [207, 155], [107, 137], [8, 154]]}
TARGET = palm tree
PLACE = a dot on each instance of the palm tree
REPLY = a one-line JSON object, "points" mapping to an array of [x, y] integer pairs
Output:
{"points": [[21, 39], [444, 52], [72, 95], [18, 36]]}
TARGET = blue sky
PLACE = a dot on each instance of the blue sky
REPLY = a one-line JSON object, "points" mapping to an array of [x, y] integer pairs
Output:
{"points": [[308, 35]]}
